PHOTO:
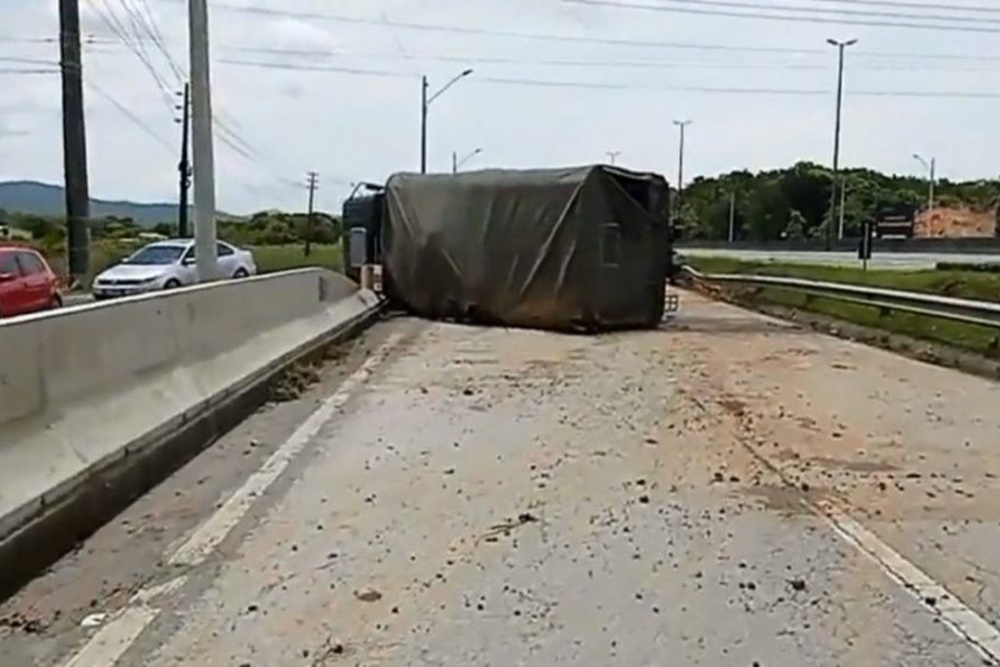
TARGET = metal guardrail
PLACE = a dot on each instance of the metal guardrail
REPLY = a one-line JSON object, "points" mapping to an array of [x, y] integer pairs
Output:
{"points": [[983, 313]]}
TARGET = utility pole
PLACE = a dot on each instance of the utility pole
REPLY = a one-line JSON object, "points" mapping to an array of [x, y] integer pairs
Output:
{"points": [[681, 124], [423, 124], [77, 189], [425, 103], [836, 137], [184, 166], [206, 258], [454, 162], [930, 186], [309, 219], [931, 177], [843, 199], [732, 216]]}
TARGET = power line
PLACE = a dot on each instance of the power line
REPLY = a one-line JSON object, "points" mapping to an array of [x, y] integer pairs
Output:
{"points": [[244, 149], [484, 60], [577, 39], [145, 19], [28, 40], [317, 68], [136, 27], [28, 61], [506, 33], [918, 5], [781, 17], [626, 64], [777, 6], [138, 122], [143, 27], [111, 20], [154, 32], [525, 82], [27, 70], [599, 85], [737, 91]]}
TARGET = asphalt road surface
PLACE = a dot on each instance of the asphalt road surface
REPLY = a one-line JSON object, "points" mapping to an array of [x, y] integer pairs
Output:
{"points": [[728, 490], [879, 260]]}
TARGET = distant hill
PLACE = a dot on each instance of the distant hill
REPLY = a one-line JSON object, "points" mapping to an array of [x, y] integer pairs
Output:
{"points": [[48, 200]]}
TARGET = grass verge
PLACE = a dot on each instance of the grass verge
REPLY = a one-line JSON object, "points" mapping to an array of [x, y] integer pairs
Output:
{"points": [[284, 257], [961, 284]]}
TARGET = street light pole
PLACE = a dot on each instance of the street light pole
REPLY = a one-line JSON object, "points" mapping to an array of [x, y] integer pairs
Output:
{"points": [[930, 167], [456, 163], [612, 155], [841, 45], [425, 103], [681, 124]]}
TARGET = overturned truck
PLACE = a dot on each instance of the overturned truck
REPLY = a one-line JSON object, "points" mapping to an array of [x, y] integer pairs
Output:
{"points": [[583, 249]]}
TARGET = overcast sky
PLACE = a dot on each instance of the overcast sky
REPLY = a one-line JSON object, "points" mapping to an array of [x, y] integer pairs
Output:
{"points": [[336, 89]]}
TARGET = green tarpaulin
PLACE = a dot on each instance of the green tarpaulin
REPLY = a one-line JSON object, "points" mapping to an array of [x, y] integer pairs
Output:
{"points": [[582, 248]]}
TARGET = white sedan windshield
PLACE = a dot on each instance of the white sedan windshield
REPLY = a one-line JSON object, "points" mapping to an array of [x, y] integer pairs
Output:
{"points": [[156, 255]]}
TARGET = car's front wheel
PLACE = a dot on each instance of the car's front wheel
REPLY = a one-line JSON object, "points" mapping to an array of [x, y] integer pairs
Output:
{"points": [[241, 273]]}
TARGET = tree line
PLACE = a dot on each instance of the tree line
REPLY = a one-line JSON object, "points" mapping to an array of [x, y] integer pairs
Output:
{"points": [[263, 228], [794, 202], [791, 203]]}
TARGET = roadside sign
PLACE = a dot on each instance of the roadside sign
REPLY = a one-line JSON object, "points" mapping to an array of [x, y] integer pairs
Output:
{"points": [[865, 244]]}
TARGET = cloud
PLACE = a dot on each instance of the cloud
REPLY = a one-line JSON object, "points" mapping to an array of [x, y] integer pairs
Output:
{"points": [[354, 115]]}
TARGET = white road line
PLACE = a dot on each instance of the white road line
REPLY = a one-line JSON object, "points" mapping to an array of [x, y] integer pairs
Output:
{"points": [[962, 620], [146, 595], [214, 530], [109, 643]]}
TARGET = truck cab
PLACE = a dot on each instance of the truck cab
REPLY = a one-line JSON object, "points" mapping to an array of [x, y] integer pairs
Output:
{"points": [[362, 236]]}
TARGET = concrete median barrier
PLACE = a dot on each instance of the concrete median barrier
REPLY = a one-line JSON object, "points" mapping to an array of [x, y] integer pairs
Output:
{"points": [[100, 402]]}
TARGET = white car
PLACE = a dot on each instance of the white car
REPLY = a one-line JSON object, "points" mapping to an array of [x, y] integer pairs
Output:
{"points": [[167, 265]]}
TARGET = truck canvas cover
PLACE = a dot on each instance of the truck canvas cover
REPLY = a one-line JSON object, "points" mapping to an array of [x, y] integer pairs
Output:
{"points": [[584, 248]]}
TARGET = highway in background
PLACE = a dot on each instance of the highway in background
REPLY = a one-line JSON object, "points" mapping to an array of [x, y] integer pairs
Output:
{"points": [[730, 490], [879, 260]]}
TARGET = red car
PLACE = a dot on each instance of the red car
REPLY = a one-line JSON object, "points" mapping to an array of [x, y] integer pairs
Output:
{"points": [[27, 282]]}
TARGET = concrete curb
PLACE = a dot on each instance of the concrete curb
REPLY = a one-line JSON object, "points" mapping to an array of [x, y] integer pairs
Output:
{"points": [[70, 515]]}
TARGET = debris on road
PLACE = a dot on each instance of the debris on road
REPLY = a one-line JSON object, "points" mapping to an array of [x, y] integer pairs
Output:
{"points": [[93, 620], [368, 595]]}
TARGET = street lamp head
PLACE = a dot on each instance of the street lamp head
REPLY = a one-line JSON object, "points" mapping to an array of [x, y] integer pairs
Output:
{"points": [[467, 72], [834, 42]]}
